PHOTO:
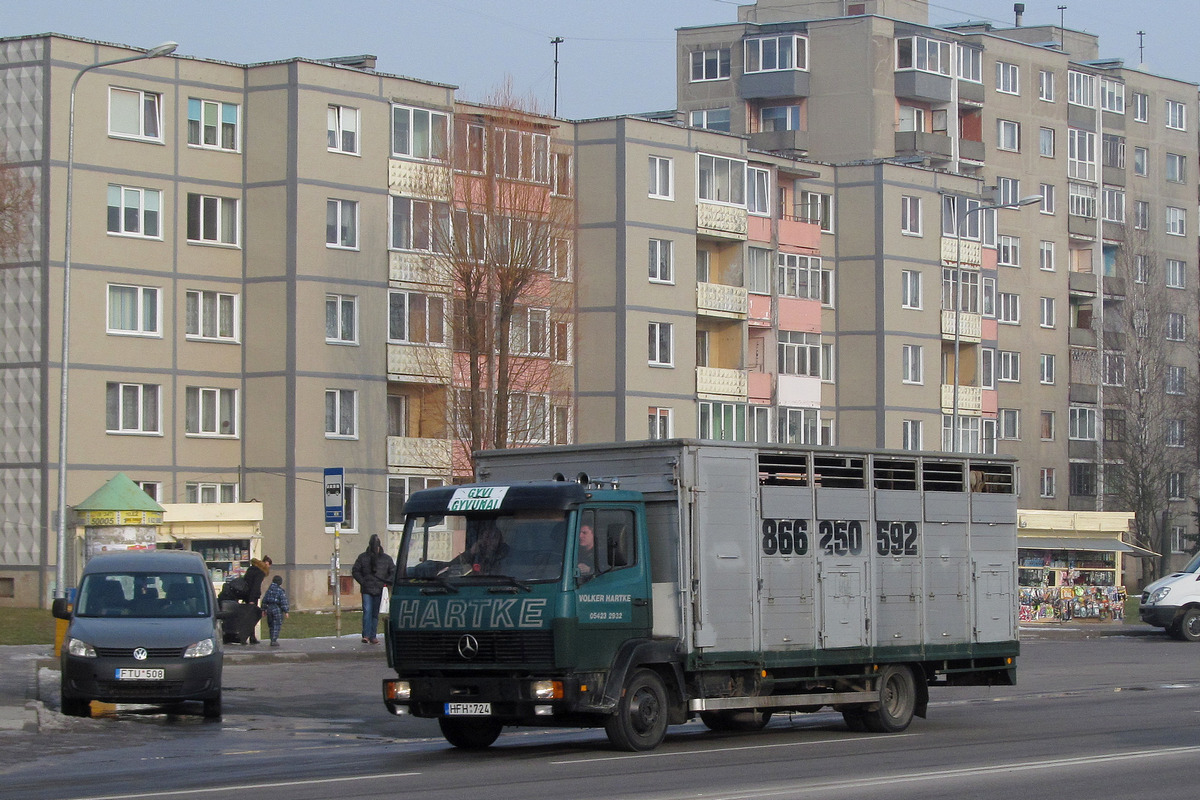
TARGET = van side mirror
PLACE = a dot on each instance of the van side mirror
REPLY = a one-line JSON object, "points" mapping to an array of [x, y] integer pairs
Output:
{"points": [[60, 608]]}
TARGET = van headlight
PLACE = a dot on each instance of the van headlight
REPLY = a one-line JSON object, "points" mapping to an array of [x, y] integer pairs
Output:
{"points": [[1158, 595], [80, 648], [204, 647]]}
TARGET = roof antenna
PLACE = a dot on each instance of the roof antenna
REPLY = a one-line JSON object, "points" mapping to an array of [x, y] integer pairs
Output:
{"points": [[1062, 27], [556, 41], [1141, 48]]}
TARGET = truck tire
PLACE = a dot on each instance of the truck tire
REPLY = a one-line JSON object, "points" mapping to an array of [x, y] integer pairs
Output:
{"points": [[1189, 625], [897, 701], [640, 721], [723, 721], [470, 734], [856, 719]]}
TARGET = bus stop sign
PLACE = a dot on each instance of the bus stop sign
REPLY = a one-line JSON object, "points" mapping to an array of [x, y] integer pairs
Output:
{"points": [[335, 482]]}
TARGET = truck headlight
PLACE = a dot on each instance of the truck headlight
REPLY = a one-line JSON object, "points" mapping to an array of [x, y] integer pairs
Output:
{"points": [[80, 648], [397, 690], [546, 690], [1158, 595], [204, 647]]}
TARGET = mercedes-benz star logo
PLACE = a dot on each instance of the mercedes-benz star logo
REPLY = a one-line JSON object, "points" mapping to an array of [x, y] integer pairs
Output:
{"points": [[140, 654], [468, 646]]}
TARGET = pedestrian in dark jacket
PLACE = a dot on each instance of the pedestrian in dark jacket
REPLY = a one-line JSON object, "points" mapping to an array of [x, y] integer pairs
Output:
{"points": [[374, 570], [240, 594], [275, 606]]}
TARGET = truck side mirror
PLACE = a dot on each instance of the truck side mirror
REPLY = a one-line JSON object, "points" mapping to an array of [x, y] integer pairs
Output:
{"points": [[60, 608]]}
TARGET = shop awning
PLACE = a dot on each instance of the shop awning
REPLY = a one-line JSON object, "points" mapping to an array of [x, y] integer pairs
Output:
{"points": [[1102, 544]]}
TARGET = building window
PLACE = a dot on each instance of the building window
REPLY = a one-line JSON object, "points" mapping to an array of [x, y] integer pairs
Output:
{"points": [[212, 220], [660, 423], [1008, 135], [132, 408], [924, 55], [1081, 154], [1007, 78], [134, 212], [1112, 149], [341, 319], [560, 342], [341, 224], [1114, 205], [970, 64], [1176, 380], [212, 124], [802, 277], [1175, 437], [661, 353], [910, 215], [212, 315], [1176, 221], [968, 294], [1083, 479], [1046, 256], [1046, 86], [1141, 215], [529, 331], [910, 289], [816, 207], [713, 119], [774, 53], [1082, 200], [1082, 423], [1008, 251], [911, 118], [661, 260], [721, 421], [721, 180], [420, 225], [912, 364], [1176, 327], [1113, 369], [1176, 115], [1141, 107], [210, 412], [1112, 96], [1081, 89], [1141, 162], [529, 417], [1047, 192], [1047, 368], [710, 65], [399, 489], [1179, 539], [1046, 482], [1176, 168], [1047, 312], [134, 310], [1048, 426], [134, 114], [758, 270], [910, 435], [758, 196], [341, 414], [1046, 142], [416, 318], [1176, 486], [1008, 307], [523, 155], [560, 174], [1009, 423], [779, 118], [153, 489], [416, 133], [799, 426], [988, 298], [343, 129], [1009, 363], [799, 353], [662, 178], [197, 492], [1175, 273]]}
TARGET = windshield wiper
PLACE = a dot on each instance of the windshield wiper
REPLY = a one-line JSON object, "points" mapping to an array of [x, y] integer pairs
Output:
{"points": [[440, 581], [520, 584]]}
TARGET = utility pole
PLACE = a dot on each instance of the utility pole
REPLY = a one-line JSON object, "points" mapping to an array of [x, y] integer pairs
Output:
{"points": [[1141, 47], [556, 41], [1062, 26]]}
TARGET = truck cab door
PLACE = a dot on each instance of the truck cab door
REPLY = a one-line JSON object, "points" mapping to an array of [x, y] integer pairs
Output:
{"points": [[612, 587]]}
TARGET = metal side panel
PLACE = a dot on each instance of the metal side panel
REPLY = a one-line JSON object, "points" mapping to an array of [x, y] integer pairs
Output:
{"points": [[787, 602], [898, 544], [843, 593], [995, 602]]}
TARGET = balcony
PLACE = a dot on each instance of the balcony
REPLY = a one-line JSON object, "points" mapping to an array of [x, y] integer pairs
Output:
{"points": [[418, 363], [722, 222], [418, 179], [1114, 287], [918, 143], [970, 326], [780, 141], [798, 232], [713, 383], [1081, 337], [419, 454], [970, 400], [969, 252], [719, 300], [1082, 283], [783, 84], [917, 85], [970, 94], [415, 268], [971, 150]]}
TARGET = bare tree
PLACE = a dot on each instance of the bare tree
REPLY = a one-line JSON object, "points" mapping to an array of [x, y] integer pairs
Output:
{"points": [[16, 208], [1148, 366]]}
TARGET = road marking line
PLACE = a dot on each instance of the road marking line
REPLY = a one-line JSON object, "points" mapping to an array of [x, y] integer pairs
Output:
{"points": [[274, 785], [734, 749]]}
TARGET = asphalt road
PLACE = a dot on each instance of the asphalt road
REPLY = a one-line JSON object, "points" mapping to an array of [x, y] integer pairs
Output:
{"points": [[1111, 717]]}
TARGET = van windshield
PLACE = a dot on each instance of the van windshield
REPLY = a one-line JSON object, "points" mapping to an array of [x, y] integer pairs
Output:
{"points": [[522, 547], [1193, 565], [143, 594]]}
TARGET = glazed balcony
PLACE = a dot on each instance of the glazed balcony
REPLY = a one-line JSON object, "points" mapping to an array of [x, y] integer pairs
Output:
{"points": [[719, 300]]}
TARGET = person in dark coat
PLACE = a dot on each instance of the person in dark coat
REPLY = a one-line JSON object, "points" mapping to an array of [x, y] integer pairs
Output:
{"points": [[241, 594], [275, 606], [374, 570]]}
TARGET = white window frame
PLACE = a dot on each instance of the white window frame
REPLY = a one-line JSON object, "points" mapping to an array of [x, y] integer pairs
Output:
{"points": [[211, 316], [1081, 154], [147, 310], [910, 215], [1176, 168], [710, 65], [343, 126], [1141, 162], [1176, 221], [138, 409], [1046, 482], [779, 118], [1047, 205], [1008, 250], [662, 261], [1008, 423], [1176, 115], [923, 55], [1046, 368], [149, 119], [912, 364], [661, 422], [1081, 89], [720, 180], [1046, 86], [1082, 423], [1112, 368], [1176, 379], [910, 289], [1176, 330], [431, 308], [210, 492], [987, 367], [803, 277], [712, 119], [1048, 317], [201, 125], [911, 434], [1112, 96], [970, 64], [342, 311], [1141, 107], [1047, 256], [204, 404], [429, 217], [765, 53], [661, 352], [344, 215], [1008, 366], [758, 191], [529, 331], [1008, 135], [428, 133], [212, 218], [1175, 435], [1008, 308], [1046, 142], [1176, 270], [799, 353], [344, 420], [760, 270], [139, 201], [662, 178], [1008, 78]]}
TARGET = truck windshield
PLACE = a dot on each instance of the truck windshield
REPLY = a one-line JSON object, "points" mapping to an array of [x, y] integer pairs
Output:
{"points": [[142, 594], [526, 547]]}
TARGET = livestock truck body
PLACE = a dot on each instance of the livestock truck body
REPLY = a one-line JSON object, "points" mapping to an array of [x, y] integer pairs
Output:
{"points": [[729, 581]]}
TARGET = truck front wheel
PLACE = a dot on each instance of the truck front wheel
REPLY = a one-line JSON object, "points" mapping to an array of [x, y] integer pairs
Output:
{"points": [[1189, 625], [897, 701], [470, 734], [640, 721]]}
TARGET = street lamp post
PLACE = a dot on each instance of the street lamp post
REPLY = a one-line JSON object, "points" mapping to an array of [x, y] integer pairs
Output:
{"points": [[961, 216], [60, 589]]}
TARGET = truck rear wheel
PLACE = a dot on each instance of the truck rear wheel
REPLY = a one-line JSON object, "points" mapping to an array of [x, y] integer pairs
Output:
{"points": [[640, 721], [897, 701], [1189, 625], [735, 720], [470, 734]]}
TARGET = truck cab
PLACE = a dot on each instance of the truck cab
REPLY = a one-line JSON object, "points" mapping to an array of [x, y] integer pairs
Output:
{"points": [[513, 602], [1173, 603]]}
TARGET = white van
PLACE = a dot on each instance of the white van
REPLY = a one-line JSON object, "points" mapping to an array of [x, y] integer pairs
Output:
{"points": [[1173, 603]]}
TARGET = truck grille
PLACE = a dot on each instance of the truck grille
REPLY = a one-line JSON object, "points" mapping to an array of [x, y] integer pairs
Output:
{"points": [[419, 648]]}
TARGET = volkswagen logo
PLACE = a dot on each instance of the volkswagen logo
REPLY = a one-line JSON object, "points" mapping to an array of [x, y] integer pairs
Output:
{"points": [[140, 654], [468, 646]]}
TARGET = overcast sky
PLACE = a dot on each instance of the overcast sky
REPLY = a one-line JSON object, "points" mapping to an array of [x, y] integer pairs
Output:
{"points": [[617, 55]]}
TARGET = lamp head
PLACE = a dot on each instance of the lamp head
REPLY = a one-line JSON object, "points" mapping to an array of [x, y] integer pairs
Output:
{"points": [[1030, 200], [166, 48]]}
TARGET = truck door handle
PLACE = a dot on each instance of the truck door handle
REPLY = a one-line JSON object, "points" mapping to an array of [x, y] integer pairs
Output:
{"points": [[641, 602]]}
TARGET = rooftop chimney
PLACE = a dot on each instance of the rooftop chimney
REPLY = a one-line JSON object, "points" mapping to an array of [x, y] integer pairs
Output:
{"points": [[1019, 9]]}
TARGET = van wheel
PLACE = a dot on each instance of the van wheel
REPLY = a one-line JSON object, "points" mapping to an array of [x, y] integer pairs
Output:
{"points": [[735, 720], [1189, 625], [897, 701], [212, 707], [640, 721], [470, 734], [76, 706]]}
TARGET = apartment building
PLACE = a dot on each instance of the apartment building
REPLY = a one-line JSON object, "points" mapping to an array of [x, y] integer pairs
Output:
{"points": [[1056, 300], [262, 279]]}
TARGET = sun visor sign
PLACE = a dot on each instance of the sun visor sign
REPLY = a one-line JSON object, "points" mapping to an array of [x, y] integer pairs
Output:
{"points": [[477, 498]]}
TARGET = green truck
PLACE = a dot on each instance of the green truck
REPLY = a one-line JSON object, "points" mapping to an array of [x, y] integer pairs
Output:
{"points": [[638, 585]]}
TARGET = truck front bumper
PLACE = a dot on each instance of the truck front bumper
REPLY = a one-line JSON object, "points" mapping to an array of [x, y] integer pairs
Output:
{"points": [[1159, 616], [515, 700]]}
